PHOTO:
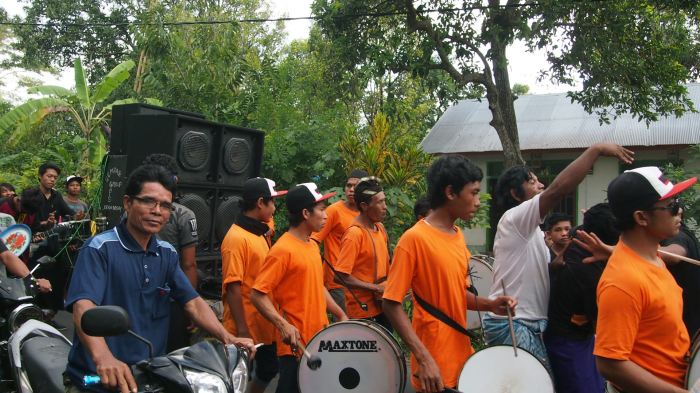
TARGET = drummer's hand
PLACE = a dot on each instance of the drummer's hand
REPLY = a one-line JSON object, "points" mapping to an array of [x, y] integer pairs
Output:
{"points": [[592, 243], [290, 335], [43, 285], [343, 317], [429, 376], [499, 304], [379, 288]]}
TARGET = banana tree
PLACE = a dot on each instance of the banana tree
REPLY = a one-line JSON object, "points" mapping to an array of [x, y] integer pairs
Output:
{"points": [[84, 104]]}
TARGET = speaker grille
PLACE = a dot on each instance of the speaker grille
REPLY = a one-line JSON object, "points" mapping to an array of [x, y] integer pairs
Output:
{"points": [[237, 155], [226, 214], [193, 150], [201, 210]]}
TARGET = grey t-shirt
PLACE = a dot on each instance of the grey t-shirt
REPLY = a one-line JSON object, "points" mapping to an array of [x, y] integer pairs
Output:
{"points": [[76, 206], [181, 228]]}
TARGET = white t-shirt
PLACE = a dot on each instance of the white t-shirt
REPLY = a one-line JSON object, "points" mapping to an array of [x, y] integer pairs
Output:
{"points": [[521, 260]]}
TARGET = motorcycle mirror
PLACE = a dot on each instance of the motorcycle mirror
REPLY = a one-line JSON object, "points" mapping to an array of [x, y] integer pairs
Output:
{"points": [[105, 321]]}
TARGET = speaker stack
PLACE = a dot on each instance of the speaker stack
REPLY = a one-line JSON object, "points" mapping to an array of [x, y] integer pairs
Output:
{"points": [[213, 159]]}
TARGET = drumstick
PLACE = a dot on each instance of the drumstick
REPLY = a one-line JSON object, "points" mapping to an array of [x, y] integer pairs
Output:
{"points": [[681, 257], [314, 362], [510, 323]]}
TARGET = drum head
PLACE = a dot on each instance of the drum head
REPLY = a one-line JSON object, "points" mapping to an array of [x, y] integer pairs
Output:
{"points": [[17, 238], [481, 277], [356, 356], [497, 370]]}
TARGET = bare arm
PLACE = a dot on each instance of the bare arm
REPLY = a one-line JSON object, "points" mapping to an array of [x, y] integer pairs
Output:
{"points": [[203, 316], [496, 306], [290, 334], [354, 282], [234, 299], [675, 249], [113, 373], [574, 173], [188, 263], [632, 378], [333, 308], [428, 372]]}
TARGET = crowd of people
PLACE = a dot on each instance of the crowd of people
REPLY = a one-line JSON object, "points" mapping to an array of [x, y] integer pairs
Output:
{"points": [[594, 303]]}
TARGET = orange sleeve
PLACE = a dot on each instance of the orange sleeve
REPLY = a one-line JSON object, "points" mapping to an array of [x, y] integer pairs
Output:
{"points": [[233, 261], [330, 222], [618, 320], [349, 250], [401, 274], [272, 272]]}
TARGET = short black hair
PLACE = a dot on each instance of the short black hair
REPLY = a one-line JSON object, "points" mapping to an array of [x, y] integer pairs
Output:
{"points": [[600, 220], [365, 190], [248, 205], [149, 174], [31, 200], [450, 170], [512, 179], [165, 160], [7, 186], [357, 173], [422, 207], [49, 165], [296, 218], [555, 218]]}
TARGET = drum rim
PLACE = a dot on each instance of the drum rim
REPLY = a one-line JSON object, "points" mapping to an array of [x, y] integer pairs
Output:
{"points": [[403, 367], [551, 380], [694, 351]]}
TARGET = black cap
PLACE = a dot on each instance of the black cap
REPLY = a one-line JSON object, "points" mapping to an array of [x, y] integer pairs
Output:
{"points": [[260, 187], [304, 195], [74, 178]]}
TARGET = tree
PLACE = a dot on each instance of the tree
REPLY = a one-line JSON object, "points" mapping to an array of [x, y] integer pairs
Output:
{"points": [[85, 106], [632, 56]]}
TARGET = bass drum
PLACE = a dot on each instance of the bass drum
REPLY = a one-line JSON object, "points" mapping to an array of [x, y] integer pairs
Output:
{"points": [[497, 370], [357, 356], [693, 374], [481, 277]]}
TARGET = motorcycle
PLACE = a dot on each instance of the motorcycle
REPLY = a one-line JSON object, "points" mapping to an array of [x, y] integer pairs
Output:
{"points": [[39, 354]]}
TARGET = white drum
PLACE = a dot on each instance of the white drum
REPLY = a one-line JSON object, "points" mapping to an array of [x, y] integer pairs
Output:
{"points": [[481, 277], [357, 356], [497, 370], [693, 374]]}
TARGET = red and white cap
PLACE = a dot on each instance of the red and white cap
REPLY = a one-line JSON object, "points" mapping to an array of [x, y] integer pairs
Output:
{"points": [[661, 185], [641, 188], [303, 195], [260, 187]]}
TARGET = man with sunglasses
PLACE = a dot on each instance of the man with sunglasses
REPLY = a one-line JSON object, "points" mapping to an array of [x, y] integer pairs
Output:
{"points": [[128, 266], [641, 341]]}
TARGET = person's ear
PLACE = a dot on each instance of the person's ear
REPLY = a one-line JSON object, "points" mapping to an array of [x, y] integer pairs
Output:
{"points": [[514, 195], [449, 193], [641, 218]]}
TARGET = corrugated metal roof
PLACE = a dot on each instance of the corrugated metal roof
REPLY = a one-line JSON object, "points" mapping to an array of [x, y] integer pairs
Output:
{"points": [[552, 121]]}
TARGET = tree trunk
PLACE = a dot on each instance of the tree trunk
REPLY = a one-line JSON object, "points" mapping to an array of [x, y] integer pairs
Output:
{"points": [[502, 107]]}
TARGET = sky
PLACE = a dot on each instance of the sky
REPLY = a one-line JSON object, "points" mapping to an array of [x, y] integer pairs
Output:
{"points": [[524, 67]]}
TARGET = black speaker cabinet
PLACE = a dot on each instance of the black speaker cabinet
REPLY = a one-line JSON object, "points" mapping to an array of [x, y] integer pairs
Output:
{"points": [[216, 210]]}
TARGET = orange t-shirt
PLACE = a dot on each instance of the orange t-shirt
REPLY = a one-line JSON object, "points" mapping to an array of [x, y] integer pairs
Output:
{"points": [[339, 218], [640, 316], [434, 264], [293, 278], [357, 258], [242, 256]]}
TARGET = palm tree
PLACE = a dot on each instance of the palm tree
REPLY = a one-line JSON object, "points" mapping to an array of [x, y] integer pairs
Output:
{"points": [[85, 105]]}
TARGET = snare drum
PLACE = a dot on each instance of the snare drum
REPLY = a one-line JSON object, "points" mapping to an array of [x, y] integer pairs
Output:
{"points": [[693, 374], [497, 370], [481, 277], [356, 356]]}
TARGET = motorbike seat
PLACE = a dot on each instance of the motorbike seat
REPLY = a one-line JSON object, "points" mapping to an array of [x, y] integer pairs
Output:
{"points": [[44, 359]]}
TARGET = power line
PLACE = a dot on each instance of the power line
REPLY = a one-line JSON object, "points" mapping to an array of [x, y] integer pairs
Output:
{"points": [[265, 20]]}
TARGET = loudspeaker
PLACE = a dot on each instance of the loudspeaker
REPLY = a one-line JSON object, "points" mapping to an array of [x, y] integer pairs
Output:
{"points": [[216, 210], [239, 147]]}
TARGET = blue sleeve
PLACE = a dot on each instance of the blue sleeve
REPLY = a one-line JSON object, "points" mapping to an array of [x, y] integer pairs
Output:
{"points": [[89, 279], [180, 288]]}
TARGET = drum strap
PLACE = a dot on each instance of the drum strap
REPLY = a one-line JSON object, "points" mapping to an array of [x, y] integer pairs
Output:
{"points": [[441, 316]]}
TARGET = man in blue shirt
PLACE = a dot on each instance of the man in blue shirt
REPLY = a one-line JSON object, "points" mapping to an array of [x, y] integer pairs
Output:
{"points": [[129, 267]]}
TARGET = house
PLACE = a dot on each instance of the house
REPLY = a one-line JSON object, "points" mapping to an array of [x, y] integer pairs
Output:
{"points": [[553, 132]]}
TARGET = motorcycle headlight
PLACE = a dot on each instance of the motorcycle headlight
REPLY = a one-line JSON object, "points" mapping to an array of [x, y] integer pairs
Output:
{"points": [[202, 382], [239, 377]]}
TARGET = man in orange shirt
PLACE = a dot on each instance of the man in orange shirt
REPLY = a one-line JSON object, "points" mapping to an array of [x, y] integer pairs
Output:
{"points": [[289, 290], [432, 258], [363, 262], [641, 341], [340, 216], [243, 252]]}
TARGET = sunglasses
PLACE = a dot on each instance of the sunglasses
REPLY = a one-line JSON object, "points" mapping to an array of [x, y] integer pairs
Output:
{"points": [[674, 207]]}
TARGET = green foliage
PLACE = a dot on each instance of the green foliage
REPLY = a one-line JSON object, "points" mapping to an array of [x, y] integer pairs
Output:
{"points": [[690, 199]]}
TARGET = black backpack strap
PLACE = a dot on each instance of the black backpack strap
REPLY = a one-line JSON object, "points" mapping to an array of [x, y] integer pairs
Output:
{"points": [[441, 316]]}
